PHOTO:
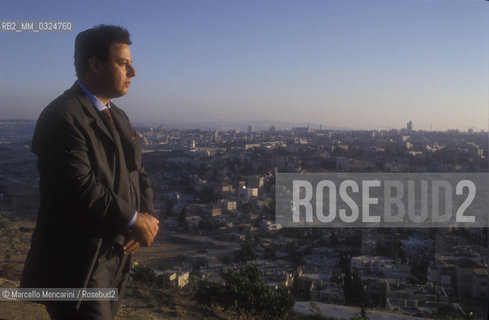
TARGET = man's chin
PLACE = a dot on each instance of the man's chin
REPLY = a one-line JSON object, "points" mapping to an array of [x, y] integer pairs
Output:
{"points": [[119, 94]]}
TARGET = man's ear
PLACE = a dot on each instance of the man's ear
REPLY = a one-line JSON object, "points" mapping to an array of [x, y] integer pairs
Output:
{"points": [[94, 65]]}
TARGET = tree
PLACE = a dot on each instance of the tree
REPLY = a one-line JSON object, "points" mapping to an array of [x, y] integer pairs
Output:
{"points": [[144, 274], [208, 293], [182, 221], [169, 208], [295, 255], [248, 248], [360, 316], [359, 295], [389, 249], [270, 253], [246, 295], [348, 287], [206, 224], [356, 242], [363, 313], [281, 304], [419, 269], [333, 239]]}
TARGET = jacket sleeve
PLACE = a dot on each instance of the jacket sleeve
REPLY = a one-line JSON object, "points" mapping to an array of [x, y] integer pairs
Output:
{"points": [[146, 197], [64, 160]]}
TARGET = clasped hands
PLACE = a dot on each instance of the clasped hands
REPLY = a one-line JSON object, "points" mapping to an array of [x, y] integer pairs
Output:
{"points": [[143, 233]]}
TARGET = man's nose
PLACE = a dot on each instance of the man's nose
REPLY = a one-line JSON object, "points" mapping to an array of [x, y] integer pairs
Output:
{"points": [[131, 72]]}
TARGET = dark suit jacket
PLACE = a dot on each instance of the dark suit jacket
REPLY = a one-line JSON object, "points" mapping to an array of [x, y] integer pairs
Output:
{"points": [[91, 183]]}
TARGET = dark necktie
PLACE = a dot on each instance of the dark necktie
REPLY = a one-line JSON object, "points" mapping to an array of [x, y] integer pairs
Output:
{"points": [[109, 115]]}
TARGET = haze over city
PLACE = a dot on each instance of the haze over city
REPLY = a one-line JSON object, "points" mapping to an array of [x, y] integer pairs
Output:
{"points": [[352, 64], [302, 159]]}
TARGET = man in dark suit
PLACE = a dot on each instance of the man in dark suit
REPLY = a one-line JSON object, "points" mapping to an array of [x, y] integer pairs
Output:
{"points": [[96, 200]]}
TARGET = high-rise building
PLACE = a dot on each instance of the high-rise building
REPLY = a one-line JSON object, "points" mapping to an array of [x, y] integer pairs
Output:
{"points": [[409, 126]]}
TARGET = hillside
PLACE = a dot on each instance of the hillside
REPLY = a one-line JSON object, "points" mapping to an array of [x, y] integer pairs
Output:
{"points": [[138, 303]]}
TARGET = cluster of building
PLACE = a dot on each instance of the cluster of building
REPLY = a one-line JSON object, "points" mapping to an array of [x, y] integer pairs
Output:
{"points": [[214, 190]]}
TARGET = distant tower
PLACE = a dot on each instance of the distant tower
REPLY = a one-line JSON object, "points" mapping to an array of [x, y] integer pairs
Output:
{"points": [[251, 128], [215, 136], [272, 128], [409, 126]]}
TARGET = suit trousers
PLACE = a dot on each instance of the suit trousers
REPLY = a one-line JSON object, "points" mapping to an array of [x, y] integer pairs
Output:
{"points": [[111, 270]]}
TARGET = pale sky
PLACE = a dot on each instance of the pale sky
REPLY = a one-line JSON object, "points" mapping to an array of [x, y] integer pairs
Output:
{"points": [[362, 64]]}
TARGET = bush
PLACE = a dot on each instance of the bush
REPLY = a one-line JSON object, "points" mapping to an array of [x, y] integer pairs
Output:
{"points": [[247, 296], [144, 274]]}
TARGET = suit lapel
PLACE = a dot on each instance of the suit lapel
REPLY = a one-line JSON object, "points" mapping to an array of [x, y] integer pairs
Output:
{"points": [[123, 138], [90, 109], [126, 136], [122, 125]]}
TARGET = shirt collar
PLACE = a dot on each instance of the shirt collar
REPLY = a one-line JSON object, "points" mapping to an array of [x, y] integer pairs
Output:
{"points": [[93, 99]]}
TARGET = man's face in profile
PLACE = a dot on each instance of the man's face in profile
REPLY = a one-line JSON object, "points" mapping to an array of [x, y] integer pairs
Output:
{"points": [[117, 71]]}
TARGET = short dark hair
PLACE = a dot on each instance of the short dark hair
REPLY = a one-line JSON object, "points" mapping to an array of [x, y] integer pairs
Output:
{"points": [[96, 42]]}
